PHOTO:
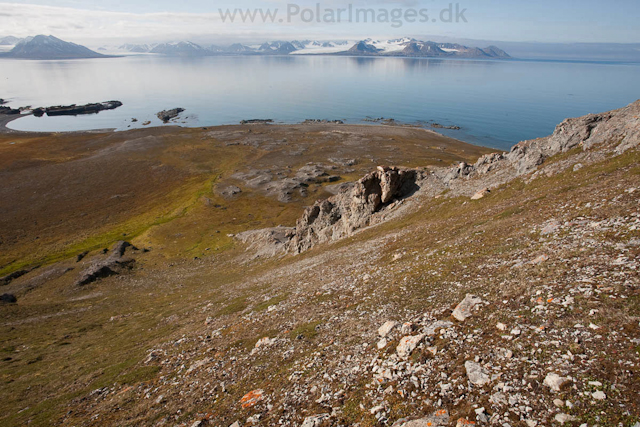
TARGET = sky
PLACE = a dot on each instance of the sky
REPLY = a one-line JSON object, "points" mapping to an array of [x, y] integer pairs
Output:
{"points": [[114, 21]]}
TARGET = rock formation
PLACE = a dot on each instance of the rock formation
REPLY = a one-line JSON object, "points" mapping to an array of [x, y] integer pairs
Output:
{"points": [[341, 215]]}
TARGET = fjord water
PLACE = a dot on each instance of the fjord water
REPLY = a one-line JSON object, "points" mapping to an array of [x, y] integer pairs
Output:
{"points": [[496, 103]]}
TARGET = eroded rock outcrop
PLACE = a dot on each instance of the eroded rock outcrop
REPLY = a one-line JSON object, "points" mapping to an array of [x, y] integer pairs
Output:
{"points": [[113, 264], [341, 215]]}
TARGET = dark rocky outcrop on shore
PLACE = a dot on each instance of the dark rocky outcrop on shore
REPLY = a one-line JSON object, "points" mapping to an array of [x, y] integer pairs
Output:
{"points": [[9, 111], [256, 121], [167, 115], [75, 110]]}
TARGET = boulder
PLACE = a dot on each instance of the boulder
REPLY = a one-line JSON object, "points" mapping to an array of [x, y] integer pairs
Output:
{"points": [[555, 382], [385, 329], [464, 310], [477, 374], [408, 344], [315, 420]]}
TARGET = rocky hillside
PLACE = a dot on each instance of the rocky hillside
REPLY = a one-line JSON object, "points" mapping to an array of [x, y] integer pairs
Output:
{"points": [[500, 292]]}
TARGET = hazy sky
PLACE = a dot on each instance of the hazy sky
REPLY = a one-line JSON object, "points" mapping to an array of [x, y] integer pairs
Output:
{"points": [[88, 21]]}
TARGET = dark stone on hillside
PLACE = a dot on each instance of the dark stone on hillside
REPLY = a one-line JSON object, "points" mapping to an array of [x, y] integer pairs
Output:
{"points": [[168, 115], [81, 256], [8, 299], [74, 110], [11, 277], [2, 101], [38, 112]]}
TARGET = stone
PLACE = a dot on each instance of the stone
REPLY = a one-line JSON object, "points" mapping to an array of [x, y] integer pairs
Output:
{"points": [[481, 194], [382, 343], [464, 310], [599, 395], [266, 341], [462, 422], [436, 327], [439, 418], [476, 373], [564, 418], [551, 227], [501, 326], [252, 398], [385, 329], [315, 420], [407, 328], [555, 382], [408, 344], [540, 259]]}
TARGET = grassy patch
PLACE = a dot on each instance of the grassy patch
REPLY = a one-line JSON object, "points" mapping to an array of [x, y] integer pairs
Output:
{"points": [[236, 305], [307, 331]]}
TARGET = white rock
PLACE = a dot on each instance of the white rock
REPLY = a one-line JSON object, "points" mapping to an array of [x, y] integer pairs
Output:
{"points": [[599, 395], [559, 403], [476, 373], [464, 310], [501, 326], [564, 418], [555, 382], [437, 327], [387, 328], [382, 343], [314, 421], [480, 194], [376, 409], [408, 344]]}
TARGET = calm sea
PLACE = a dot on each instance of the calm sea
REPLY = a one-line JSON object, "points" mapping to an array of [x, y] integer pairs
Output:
{"points": [[496, 103]]}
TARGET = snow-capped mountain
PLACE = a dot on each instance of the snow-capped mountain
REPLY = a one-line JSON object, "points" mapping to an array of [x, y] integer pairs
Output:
{"points": [[50, 47], [9, 41], [180, 49], [277, 48]]}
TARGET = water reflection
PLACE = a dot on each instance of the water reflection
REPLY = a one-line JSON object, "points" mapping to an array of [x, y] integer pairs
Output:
{"points": [[497, 103]]}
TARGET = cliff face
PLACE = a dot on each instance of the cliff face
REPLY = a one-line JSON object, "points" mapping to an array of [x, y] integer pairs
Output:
{"points": [[377, 196]]}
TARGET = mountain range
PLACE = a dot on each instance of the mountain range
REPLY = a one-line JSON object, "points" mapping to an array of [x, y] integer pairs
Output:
{"points": [[50, 47], [367, 47]]}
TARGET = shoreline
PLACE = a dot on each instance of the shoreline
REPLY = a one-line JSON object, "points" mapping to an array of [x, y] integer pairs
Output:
{"points": [[6, 119]]}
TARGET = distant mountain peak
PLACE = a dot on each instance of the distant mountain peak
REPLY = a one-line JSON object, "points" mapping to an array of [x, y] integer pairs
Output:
{"points": [[50, 47]]}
